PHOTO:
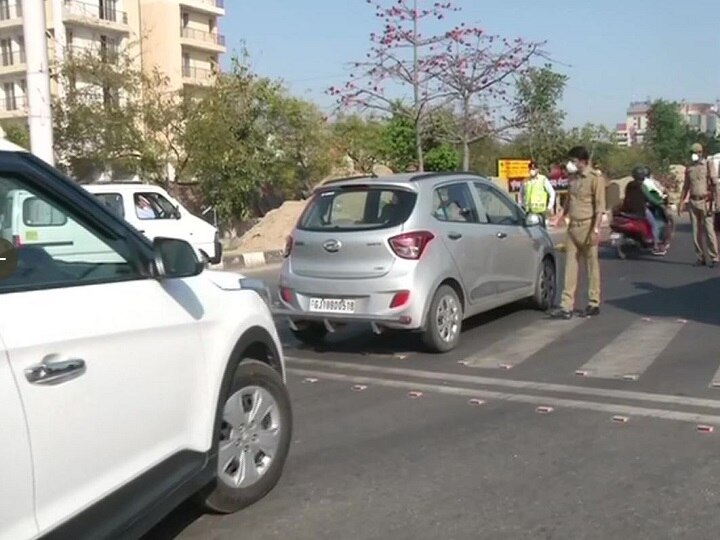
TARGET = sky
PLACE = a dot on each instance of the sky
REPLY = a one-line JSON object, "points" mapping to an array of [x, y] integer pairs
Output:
{"points": [[613, 52]]}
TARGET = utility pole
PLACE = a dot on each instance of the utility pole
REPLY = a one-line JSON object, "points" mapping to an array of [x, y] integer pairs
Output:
{"points": [[38, 79]]}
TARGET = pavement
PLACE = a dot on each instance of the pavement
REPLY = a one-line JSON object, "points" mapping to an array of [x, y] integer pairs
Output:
{"points": [[588, 429]]}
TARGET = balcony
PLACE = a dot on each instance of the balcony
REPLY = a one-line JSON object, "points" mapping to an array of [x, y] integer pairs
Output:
{"points": [[12, 106], [96, 15], [198, 75], [201, 39], [10, 15], [214, 7], [12, 61]]}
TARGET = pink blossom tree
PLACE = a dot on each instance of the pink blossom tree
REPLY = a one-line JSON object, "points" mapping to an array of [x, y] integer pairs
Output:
{"points": [[478, 72], [400, 57]]}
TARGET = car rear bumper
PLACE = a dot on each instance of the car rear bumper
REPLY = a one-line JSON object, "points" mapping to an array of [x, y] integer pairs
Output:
{"points": [[343, 318]]}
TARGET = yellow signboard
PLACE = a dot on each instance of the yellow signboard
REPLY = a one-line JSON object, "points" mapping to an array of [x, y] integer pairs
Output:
{"points": [[513, 169]]}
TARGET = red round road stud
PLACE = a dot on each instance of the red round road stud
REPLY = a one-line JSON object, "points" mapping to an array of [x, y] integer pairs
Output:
{"points": [[581, 373], [505, 366], [620, 419], [310, 380], [414, 394], [475, 401], [359, 387], [705, 429]]}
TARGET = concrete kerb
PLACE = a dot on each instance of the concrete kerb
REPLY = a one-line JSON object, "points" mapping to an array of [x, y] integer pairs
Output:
{"points": [[253, 259]]}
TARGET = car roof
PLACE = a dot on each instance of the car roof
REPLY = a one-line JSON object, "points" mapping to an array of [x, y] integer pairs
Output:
{"points": [[416, 179], [122, 187]]}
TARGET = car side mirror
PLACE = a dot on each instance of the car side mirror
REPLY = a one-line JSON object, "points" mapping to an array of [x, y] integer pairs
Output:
{"points": [[175, 258], [532, 220]]}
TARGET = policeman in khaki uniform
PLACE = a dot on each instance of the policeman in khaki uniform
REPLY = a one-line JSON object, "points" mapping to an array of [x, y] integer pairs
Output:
{"points": [[700, 188], [585, 207]]}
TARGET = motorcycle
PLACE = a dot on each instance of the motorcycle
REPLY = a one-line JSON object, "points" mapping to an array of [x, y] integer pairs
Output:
{"points": [[632, 235]]}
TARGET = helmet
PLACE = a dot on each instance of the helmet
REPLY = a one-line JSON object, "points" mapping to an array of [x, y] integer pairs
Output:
{"points": [[697, 148], [640, 173]]}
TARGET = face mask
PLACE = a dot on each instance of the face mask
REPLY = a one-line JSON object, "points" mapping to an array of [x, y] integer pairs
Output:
{"points": [[695, 157], [533, 173], [571, 168]]}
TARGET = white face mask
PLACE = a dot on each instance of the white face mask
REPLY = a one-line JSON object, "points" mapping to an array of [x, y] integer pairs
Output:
{"points": [[695, 157], [533, 173], [571, 168]]}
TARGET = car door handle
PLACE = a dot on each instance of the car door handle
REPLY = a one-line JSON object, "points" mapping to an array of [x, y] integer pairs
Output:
{"points": [[501, 235], [454, 235], [52, 370]]}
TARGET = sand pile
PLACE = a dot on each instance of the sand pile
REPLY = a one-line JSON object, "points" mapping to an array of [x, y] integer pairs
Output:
{"points": [[270, 232]]}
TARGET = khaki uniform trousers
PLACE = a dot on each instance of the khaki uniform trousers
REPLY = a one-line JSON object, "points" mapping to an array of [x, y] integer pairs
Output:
{"points": [[581, 245], [703, 227]]}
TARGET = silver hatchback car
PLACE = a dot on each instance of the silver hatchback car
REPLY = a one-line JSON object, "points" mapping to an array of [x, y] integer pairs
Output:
{"points": [[418, 252]]}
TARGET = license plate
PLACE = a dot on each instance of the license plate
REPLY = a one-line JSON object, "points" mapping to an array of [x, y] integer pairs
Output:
{"points": [[615, 236], [332, 305]]}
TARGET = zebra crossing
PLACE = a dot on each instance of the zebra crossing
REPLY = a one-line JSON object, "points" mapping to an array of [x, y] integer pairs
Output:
{"points": [[625, 356]]}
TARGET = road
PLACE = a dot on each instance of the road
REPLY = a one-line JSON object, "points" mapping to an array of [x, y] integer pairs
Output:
{"points": [[530, 429]]}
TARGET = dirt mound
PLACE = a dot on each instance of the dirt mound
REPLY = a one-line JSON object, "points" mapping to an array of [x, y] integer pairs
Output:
{"points": [[270, 232]]}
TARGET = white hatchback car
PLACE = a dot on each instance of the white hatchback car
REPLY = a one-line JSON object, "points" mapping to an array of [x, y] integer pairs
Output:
{"points": [[152, 211], [130, 380]]}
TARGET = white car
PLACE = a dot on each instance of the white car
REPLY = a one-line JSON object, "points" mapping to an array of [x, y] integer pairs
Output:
{"points": [[128, 381], [152, 211]]}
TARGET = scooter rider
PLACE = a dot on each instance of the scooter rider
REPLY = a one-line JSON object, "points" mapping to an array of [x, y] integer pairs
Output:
{"points": [[635, 204]]}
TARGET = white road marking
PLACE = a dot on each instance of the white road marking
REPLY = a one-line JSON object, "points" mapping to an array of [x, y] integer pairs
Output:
{"points": [[632, 352], [615, 409], [518, 347], [715, 383], [509, 383]]}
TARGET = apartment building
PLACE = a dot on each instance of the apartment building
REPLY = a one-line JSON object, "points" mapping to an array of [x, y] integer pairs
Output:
{"points": [[180, 37], [700, 116]]}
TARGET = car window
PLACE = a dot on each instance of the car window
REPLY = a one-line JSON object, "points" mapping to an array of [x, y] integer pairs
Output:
{"points": [[497, 209], [37, 213], [151, 205], [357, 208], [113, 201], [454, 203], [67, 254]]}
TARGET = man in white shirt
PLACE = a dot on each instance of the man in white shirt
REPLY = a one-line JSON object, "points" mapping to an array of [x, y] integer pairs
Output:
{"points": [[537, 196]]}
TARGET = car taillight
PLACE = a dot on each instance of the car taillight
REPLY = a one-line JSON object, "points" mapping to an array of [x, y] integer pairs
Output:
{"points": [[289, 242], [286, 294], [400, 299], [411, 245]]}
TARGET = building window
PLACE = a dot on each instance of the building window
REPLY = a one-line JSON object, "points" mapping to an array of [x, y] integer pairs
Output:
{"points": [[10, 101], [6, 51], [108, 10], [4, 10], [185, 20], [211, 25]]}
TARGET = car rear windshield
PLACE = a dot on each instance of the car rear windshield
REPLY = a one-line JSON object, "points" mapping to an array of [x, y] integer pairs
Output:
{"points": [[357, 208]]}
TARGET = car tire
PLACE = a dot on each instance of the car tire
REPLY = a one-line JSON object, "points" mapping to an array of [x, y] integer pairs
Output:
{"points": [[239, 482], [546, 285], [310, 332], [444, 321]]}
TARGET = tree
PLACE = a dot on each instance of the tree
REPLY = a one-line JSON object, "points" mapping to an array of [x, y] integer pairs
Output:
{"points": [[360, 139], [18, 134], [97, 125], [538, 93], [476, 71], [302, 141], [442, 158], [666, 136], [399, 141], [400, 55]]}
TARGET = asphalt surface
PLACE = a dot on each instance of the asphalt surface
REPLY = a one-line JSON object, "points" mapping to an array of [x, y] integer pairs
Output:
{"points": [[530, 429]]}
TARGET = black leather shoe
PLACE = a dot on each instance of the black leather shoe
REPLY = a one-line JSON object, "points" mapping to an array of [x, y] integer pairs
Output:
{"points": [[699, 263], [713, 264], [591, 311], [561, 314]]}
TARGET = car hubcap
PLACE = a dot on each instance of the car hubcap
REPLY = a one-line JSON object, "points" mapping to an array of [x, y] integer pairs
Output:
{"points": [[249, 437], [448, 318]]}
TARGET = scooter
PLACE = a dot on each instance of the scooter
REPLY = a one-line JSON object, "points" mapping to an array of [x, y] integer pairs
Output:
{"points": [[632, 235]]}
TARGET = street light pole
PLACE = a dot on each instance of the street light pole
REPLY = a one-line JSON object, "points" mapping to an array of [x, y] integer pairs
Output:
{"points": [[38, 80]]}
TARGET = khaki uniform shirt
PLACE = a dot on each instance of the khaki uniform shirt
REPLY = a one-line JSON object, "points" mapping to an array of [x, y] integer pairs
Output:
{"points": [[586, 196], [699, 180]]}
